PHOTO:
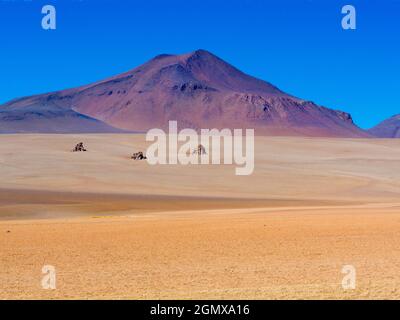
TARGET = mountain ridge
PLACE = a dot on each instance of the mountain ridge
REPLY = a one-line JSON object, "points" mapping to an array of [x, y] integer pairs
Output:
{"points": [[199, 90]]}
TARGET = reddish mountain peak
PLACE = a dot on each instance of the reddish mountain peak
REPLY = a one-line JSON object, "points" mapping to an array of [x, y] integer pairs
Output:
{"points": [[200, 66], [214, 71], [197, 54], [199, 90], [203, 55]]}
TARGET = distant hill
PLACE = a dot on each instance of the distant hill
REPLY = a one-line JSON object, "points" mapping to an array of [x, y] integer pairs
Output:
{"points": [[389, 128]]}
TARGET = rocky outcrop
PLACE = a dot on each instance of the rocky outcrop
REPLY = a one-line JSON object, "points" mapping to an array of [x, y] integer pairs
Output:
{"points": [[79, 148], [200, 150], [138, 156]]}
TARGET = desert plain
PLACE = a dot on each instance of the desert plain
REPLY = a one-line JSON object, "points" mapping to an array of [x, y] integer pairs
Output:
{"points": [[115, 228]]}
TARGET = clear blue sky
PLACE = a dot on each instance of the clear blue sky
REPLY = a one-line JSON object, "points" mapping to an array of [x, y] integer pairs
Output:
{"points": [[297, 45]]}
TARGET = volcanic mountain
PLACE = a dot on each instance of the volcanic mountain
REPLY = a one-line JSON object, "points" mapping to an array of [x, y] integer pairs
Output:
{"points": [[389, 128], [199, 90]]}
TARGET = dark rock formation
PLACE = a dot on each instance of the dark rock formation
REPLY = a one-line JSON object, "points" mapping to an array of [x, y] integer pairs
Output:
{"points": [[200, 150], [79, 148], [139, 156]]}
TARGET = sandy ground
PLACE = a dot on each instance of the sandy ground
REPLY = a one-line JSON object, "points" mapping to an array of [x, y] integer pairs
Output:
{"points": [[121, 229]]}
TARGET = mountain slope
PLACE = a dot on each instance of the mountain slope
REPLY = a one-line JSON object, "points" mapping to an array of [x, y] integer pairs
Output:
{"points": [[49, 119], [389, 128], [199, 90]]}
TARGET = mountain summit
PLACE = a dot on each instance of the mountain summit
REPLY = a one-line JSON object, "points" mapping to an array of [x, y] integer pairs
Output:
{"points": [[197, 89]]}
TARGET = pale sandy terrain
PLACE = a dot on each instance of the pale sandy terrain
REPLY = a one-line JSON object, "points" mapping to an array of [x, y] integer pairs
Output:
{"points": [[117, 228]]}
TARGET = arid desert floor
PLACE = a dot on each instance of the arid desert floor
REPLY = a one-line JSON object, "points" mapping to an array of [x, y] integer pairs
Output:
{"points": [[115, 228]]}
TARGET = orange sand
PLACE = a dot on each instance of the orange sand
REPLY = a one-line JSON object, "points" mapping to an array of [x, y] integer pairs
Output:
{"points": [[120, 229]]}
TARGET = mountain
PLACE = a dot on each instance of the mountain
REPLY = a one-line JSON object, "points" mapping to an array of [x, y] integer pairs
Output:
{"points": [[199, 90], [389, 128]]}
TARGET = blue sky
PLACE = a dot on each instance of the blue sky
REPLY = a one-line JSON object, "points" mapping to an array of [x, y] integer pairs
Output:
{"points": [[298, 45]]}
